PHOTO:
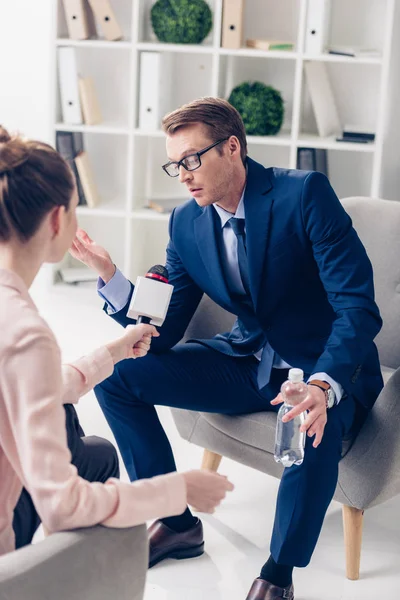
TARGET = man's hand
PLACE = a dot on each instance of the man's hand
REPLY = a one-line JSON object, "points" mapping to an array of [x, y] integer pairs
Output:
{"points": [[134, 343], [91, 254], [315, 406]]}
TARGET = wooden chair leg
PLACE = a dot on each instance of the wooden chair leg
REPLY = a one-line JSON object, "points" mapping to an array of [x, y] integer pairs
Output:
{"points": [[352, 526], [211, 460]]}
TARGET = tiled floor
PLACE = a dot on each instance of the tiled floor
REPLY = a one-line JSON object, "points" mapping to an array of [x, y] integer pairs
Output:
{"points": [[237, 536]]}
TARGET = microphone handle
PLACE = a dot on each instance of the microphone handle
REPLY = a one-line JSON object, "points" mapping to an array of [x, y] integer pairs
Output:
{"points": [[142, 319]]}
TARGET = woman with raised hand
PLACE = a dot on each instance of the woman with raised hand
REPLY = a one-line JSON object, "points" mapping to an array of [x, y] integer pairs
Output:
{"points": [[39, 442]]}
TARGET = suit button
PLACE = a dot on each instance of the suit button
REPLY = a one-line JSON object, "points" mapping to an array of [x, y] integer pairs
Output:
{"points": [[268, 328]]}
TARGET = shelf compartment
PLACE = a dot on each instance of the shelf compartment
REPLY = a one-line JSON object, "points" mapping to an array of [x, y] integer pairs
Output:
{"points": [[114, 98], [351, 84], [274, 72], [146, 33], [181, 89]]}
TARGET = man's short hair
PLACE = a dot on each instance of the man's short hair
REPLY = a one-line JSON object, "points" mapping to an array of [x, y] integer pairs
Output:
{"points": [[221, 119]]}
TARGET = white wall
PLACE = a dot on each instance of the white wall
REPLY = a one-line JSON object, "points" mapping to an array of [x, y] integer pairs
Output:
{"points": [[26, 77]]}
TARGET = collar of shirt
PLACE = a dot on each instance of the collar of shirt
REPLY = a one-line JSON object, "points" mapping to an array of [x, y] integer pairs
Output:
{"points": [[224, 215]]}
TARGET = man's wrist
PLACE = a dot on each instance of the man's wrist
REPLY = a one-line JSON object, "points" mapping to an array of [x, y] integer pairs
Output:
{"points": [[108, 273], [324, 386]]}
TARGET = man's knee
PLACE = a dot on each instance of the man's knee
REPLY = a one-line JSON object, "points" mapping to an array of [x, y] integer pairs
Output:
{"points": [[129, 379]]}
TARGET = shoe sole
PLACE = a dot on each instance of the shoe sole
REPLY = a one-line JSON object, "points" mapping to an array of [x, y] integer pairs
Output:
{"points": [[181, 554]]}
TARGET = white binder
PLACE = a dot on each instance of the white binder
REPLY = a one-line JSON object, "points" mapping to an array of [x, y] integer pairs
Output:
{"points": [[69, 89], [155, 77], [317, 30], [322, 99]]}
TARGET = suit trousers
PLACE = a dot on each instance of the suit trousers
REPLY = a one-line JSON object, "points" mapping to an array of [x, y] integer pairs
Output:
{"points": [[96, 460], [195, 377]]}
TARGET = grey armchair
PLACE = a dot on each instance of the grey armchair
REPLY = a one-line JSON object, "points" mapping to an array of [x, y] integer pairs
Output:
{"points": [[369, 473], [97, 563]]}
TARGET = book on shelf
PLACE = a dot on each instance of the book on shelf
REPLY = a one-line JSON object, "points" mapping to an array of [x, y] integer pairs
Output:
{"points": [[355, 51], [322, 98], [69, 144], [90, 106], [162, 205], [232, 24], [79, 18], [106, 19], [85, 172], [313, 159], [270, 45]]}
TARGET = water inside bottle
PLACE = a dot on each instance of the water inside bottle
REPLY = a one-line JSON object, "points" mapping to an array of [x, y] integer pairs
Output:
{"points": [[290, 449]]}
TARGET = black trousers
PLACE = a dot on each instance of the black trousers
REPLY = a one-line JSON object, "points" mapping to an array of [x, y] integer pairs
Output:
{"points": [[96, 460]]}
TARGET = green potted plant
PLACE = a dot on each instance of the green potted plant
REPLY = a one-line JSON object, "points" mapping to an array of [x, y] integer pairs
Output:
{"points": [[260, 106], [181, 21]]}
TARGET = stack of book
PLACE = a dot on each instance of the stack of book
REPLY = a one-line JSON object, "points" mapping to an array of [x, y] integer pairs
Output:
{"points": [[354, 51], [164, 205], [357, 135], [267, 45], [81, 17]]}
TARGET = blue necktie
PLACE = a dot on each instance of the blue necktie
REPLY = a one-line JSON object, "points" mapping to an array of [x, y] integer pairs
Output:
{"points": [[238, 228], [267, 357], [265, 366]]}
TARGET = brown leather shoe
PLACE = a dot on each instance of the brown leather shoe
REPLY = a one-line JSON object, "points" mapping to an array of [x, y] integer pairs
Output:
{"points": [[166, 543], [264, 590]]}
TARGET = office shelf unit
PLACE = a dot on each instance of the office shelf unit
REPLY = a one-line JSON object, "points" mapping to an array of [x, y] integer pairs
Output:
{"points": [[126, 160]]}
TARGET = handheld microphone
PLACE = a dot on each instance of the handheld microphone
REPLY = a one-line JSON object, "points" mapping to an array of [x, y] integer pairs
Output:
{"points": [[151, 297]]}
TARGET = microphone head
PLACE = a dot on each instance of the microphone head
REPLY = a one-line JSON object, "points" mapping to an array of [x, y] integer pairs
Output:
{"points": [[159, 273]]}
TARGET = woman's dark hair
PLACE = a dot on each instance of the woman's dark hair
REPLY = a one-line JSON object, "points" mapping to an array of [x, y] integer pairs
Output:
{"points": [[33, 180]]}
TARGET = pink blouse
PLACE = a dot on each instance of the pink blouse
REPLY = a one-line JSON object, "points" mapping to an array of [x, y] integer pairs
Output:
{"points": [[33, 441]]}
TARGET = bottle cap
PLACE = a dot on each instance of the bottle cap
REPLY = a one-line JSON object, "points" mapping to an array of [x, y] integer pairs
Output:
{"points": [[296, 375]]}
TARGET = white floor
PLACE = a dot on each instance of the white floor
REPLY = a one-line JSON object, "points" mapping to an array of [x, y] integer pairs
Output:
{"points": [[237, 536]]}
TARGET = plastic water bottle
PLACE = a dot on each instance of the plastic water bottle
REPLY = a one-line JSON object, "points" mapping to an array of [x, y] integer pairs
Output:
{"points": [[289, 440]]}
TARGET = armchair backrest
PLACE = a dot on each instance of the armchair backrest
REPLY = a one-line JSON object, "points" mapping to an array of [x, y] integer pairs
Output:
{"points": [[377, 223]]}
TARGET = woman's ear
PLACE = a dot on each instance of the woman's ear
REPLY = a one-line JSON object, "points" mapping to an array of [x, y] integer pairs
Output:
{"points": [[56, 219]]}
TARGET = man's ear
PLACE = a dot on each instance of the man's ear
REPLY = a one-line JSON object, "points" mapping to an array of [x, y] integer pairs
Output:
{"points": [[56, 216], [233, 145]]}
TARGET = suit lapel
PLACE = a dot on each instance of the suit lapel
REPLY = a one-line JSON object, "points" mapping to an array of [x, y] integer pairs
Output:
{"points": [[257, 206], [207, 242]]}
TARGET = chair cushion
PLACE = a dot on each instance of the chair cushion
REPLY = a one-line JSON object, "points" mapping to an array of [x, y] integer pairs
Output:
{"points": [[257, 429]]}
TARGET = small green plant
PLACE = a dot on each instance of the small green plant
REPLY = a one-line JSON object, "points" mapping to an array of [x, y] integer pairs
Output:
{"points": [[181, 21], [260, 106]]}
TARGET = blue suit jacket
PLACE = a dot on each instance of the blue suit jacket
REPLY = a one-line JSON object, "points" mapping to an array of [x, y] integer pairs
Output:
{"points": [[311, 281]]}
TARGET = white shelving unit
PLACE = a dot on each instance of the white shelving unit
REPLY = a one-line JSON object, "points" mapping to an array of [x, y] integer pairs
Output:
{"points": [[127, 160]]}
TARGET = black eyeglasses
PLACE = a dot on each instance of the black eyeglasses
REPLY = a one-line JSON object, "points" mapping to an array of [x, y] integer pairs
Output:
{"points": [[190, 162]]}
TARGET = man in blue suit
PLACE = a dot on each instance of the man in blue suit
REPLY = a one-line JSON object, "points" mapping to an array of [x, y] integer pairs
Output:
{"points": [[276, 248]]}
